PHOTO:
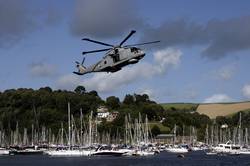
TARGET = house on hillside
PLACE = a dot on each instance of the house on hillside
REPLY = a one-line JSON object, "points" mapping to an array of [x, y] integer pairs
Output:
{"points": [[103, 113]]}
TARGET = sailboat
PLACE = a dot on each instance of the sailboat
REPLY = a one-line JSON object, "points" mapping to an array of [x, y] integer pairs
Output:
{"points": [[175, 148], [69, 151]]}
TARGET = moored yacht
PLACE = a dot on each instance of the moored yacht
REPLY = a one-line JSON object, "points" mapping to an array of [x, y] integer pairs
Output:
{"points": [[227, 148], [69, 152], [34, 150], [176, 149], [4, 151], [108, 150], [245, 151]]}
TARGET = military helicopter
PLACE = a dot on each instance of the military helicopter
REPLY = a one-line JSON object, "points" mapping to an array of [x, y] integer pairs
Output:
{"points": [[115, 58]]}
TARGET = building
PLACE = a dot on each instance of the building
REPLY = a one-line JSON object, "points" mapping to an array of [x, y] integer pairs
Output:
{"points": [[103, 113]]}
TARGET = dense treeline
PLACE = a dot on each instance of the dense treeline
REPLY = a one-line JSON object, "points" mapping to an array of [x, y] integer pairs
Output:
{"points": [[234, 119], [47, 107], [44, 106]]}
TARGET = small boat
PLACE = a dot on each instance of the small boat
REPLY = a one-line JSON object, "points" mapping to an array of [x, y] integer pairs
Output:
{"points": [[211, 152], [144, 153], [181, 156], [176, 149], [228, 148], [68, 153], [107, 150], [195, 148], [4, 151], [245, 151], [26, 151]]}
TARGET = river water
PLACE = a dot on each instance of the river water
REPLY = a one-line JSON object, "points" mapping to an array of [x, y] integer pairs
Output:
{"points": [[164, 158]]}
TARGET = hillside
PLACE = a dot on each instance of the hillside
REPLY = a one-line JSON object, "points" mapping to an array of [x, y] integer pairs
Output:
{"points": [[222, 109], [211, 109], [180, 106]]}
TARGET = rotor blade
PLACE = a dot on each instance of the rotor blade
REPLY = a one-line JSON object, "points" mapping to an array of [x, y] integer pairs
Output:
{"points": [[139, 44], [130, 34], [87, 52], [93, 41], [83, 59]]}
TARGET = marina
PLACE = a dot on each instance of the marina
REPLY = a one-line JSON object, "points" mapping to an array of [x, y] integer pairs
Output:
{"points": [[137, 140]]}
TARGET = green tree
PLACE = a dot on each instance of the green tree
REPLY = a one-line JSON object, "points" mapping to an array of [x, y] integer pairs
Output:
{"points": [[141, 98], [129, 99], [155, 130], [113, 102], [80, 89]]}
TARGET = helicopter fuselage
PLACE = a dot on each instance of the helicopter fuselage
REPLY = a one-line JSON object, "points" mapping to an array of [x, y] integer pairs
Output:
{"points": [[115, 59]]}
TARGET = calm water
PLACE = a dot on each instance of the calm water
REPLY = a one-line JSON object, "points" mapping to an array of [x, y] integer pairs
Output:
{"points": [[191, 159]]}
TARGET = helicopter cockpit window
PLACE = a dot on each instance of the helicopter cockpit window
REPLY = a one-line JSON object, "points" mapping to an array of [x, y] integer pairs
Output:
{"points": [[134, 49]]}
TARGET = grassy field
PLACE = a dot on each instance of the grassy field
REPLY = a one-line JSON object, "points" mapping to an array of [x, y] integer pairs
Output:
{"points": [[222, 109], [163, 129], [187, 106], [211, 109]]}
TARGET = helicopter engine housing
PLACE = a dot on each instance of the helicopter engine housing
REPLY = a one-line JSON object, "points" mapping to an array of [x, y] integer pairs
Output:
{"points": [[133, 61]]}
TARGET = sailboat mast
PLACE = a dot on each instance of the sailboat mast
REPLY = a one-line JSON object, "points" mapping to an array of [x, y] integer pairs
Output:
{"points": [[90, 128], [246, 137], [239, 130], [174, 133], [69, 132], [81, 132]]}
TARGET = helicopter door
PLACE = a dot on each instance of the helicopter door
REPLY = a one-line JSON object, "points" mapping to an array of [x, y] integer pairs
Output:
{"points": [[116, 56]]}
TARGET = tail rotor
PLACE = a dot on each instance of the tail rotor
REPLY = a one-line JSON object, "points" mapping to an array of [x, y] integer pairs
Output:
{"points": [[81, 68]]}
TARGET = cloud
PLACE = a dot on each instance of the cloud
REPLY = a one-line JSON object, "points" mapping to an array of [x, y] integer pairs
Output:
{"points": [[220, 37], [218, 98], [19, 18], [69, 81], [108, 82], [167, 57], [42, 70], [104, 19], [227, 36], [177, 32], [15, 21], [225, 73], [246, 91]]}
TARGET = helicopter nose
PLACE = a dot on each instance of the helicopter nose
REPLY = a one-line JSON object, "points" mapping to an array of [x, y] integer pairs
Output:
{"points": [[142, 54]]}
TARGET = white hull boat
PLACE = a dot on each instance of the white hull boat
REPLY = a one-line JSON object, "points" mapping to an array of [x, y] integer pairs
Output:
{"points": [[245, 151], [144, 153], [177, 150], [69, 153], [4, 151], [228, 148]]}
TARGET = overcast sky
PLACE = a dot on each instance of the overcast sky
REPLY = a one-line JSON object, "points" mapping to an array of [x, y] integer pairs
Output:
{"points": [[204, 54]]}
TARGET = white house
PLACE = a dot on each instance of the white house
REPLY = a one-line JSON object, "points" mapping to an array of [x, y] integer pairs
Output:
{"points": [[102, 112]]}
